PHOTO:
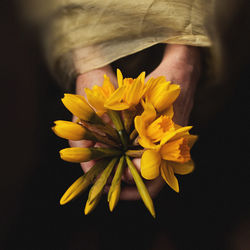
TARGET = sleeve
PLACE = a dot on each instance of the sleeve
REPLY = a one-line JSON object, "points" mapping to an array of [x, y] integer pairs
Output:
{"points": [[81, 35]]}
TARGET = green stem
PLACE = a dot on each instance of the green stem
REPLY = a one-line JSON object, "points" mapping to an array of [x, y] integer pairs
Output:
{"points": [[116, 119], [133, 135], [135, 153]]}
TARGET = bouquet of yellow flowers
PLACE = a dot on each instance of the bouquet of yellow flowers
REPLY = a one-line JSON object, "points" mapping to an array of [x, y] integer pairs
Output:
{"points": [[142, 126]]}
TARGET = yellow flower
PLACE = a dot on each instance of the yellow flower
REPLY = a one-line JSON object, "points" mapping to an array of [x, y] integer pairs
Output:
{"points": [[71, 131], [161, 93], [150, 129], [128, 93], [98, 95], [171, 156], [168, 147], [79, 107]]}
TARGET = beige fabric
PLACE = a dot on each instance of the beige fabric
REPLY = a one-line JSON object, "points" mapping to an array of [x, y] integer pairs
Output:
{"points": [[85, 34]]}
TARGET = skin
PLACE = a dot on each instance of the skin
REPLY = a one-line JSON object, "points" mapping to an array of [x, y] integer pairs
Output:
{"points": [[181, 64]]}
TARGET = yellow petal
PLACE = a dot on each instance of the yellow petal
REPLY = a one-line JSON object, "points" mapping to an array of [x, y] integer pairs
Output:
{"points": [[177, 151], [76, 154], [119, 78], [158, 128], [142, 121], [152, 83], [78, 106], [150, 164], [181, 132], [134, 92], [164, 97], [167, 136], [115, 101], [114, 198], [174, 135], [167, 174], [182, 168], [115, 188], [96, 100], [101, 181], [142, 77], [80, 185], [75, 190], [140, 127], [89, 207], [169, 111], [69, 130], [107, 87]]}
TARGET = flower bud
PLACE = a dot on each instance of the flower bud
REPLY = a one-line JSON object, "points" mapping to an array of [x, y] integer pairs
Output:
{"points": [[115, 188], [71, 131], [79, 107], [77, 154]]}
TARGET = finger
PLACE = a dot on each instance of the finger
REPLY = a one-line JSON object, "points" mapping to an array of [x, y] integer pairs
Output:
{"points": [[86, 166], [94, 77], [81, 144]]}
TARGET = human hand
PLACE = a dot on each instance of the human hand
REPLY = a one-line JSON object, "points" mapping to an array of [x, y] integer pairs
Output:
{"points": [[88, 80], [180, 65]]}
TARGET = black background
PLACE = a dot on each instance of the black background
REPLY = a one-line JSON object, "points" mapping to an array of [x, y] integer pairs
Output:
{"points": [[211, 211]]}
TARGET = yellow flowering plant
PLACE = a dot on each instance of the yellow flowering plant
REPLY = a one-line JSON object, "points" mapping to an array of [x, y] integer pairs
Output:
{"points": [[142, 117]]}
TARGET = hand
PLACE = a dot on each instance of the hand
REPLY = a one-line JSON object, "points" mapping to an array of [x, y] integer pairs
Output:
{"points": [[180, 65], [88, 80]]}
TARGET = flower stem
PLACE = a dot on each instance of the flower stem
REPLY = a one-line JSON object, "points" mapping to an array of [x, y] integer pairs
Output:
{"points": [[102, 130], [133, 135], [135, 153], [116, 119]]}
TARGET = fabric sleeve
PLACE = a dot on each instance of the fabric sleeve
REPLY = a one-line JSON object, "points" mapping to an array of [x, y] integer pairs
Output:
{"points": [[81, 35]]}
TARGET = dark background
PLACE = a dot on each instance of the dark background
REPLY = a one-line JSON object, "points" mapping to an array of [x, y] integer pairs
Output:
{"points": [[212, 209]]}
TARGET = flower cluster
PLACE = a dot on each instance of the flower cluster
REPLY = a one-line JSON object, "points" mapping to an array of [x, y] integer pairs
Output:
{"points": [[142, 126]]}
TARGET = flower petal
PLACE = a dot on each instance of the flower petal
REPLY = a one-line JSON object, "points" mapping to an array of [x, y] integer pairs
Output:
{"points": [[167, 174], [96, 100], [169, 111], [174, 135], [167, 97], [177, 151], [134, 92], [107, 87], [78, 106], [90, 206], [119, 78], [115, 101], [76, 154], [182, 168], [69, 130], [150, 163]]}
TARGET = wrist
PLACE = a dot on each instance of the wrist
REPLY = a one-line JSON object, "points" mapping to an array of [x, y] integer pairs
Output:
{"points": [[181, 55], [93, 77]]}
